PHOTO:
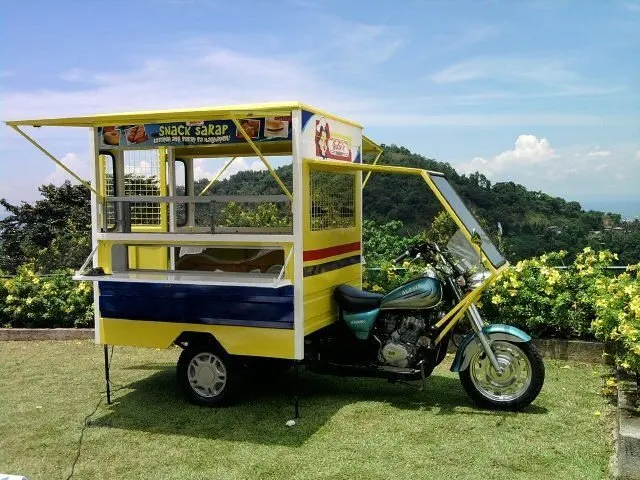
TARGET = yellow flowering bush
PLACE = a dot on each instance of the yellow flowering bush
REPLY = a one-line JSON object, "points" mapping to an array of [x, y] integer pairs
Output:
{"points": [[545, 300], [29, 300], [617, 319]]}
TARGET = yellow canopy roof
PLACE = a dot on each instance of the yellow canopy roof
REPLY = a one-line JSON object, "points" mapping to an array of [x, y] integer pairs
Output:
{"points": [[178, 115], [192, 114]]}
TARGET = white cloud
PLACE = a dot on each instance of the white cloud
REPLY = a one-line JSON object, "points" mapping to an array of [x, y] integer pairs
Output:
{"points": [[538, 70], [461, 39], [75, 163], [599, 153], [528, 151], [553, 76], [208, 168], [569, 172], [364, 45]]}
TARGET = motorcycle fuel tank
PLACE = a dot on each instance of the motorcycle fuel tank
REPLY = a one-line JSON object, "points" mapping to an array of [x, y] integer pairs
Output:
{"points": [[423, 292]]}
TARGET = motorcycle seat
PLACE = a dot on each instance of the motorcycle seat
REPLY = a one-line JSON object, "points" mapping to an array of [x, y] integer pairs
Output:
{"points": [[353, 299]]}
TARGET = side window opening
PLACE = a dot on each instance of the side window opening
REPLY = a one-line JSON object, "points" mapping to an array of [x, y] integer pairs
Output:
{"points": [[332, 200]]}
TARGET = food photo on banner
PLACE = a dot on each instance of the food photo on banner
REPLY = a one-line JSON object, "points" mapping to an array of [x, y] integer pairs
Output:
{"points": [[204, 132]]}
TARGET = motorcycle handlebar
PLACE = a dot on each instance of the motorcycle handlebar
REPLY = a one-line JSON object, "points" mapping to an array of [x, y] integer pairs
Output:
{"points": [[401, 257], [416, 250]]}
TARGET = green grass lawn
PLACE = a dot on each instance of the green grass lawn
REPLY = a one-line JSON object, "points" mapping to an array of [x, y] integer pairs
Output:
{"points": [[350, 428]]}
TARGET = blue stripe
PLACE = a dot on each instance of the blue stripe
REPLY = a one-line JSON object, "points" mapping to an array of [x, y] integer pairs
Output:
{"points": [[306, 116], [200, 304]]}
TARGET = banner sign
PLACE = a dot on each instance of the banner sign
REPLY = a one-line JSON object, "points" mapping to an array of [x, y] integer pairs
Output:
{"points": [[205, 132], [328, 139]]}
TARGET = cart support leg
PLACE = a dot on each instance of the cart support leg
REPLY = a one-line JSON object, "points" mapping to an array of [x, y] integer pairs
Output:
{"points": [[296, 403], [106, 373]]}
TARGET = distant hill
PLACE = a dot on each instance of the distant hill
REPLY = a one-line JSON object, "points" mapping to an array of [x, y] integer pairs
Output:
{"points": [[532, 222], [629, 208]]}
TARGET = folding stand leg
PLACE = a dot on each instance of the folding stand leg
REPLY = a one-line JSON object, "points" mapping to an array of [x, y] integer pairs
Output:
{"points": [[296, 403], [106, 373]]}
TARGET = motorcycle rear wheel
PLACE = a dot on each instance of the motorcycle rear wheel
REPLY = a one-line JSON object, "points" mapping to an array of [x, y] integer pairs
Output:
{"points": [[518, 385]]}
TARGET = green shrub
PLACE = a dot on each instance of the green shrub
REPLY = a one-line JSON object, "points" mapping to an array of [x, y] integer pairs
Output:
{"points": [[33, 301], [3, 297], [260, 215], [548, 302], [618, 317]]}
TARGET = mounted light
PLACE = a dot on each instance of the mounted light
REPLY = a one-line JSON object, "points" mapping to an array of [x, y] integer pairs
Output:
{"points": [[476, 279]]}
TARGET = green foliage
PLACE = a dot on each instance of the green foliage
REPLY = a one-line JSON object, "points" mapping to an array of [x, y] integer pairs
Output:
{"points": [[29, 300], [51, 233], [441, 229], [260, 215], [383, 242], [332, 200], [545, 301], [4, 319], [618, 316]]}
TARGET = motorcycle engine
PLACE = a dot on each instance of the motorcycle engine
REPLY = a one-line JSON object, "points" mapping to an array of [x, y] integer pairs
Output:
{"points": [[401, 339]]}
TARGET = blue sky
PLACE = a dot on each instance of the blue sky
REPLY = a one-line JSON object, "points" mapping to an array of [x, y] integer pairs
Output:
{"points": [[544, 93]]}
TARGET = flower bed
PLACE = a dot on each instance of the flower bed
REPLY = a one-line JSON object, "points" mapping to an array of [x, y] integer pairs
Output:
{"points": [[29, 300]]}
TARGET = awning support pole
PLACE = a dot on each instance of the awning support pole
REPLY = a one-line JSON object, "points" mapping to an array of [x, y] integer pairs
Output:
{"points": [[210, 184], [58, 162], [374, 162], [259, 154]]}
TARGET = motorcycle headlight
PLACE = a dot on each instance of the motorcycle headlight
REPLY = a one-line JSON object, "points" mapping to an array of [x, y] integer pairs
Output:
{"points": [[475, 279], [429, 272]]}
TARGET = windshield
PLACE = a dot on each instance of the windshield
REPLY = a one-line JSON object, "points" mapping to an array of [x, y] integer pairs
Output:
{"points": [[469, 221], [461, 248]]}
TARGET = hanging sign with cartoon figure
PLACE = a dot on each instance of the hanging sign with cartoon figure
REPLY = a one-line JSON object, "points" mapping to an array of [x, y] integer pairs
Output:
{"points": [[328, 139]]}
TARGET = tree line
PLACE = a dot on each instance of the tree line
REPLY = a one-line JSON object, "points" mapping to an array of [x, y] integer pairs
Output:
{"points": [[54, 232]]}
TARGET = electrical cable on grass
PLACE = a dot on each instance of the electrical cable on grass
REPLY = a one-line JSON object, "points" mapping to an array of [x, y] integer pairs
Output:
{"points": [[88, 417], [84, 427]]}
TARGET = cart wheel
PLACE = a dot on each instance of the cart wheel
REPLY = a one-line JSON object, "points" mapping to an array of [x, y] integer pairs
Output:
{"points": [[209, 376]]}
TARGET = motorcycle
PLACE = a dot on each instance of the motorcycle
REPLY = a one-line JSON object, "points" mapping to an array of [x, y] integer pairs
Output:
{"points": [[404, 335]]}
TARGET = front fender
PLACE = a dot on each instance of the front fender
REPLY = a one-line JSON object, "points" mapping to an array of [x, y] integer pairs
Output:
{"points": [[471, 345]]}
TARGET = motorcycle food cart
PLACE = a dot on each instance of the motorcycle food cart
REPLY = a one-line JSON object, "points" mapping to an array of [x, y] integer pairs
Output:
{"points": [[174, 265]]}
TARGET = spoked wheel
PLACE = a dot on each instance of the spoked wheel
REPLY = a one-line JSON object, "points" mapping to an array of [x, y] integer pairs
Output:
{"points": [[516, 387], [208, 376]]}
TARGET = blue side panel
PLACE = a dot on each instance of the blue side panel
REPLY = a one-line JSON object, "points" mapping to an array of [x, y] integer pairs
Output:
{"points": [[357, 158], [361, 323], [200, 304]]}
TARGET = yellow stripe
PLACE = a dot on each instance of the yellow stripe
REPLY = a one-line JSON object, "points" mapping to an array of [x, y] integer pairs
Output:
{"points": [[262, 342]]}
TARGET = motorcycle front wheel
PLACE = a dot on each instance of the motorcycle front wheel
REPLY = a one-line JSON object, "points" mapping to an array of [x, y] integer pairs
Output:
{"points": [[516, 387]]}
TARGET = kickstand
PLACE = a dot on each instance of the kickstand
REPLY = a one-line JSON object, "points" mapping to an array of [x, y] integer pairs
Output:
{"points": [[422, 374]]}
